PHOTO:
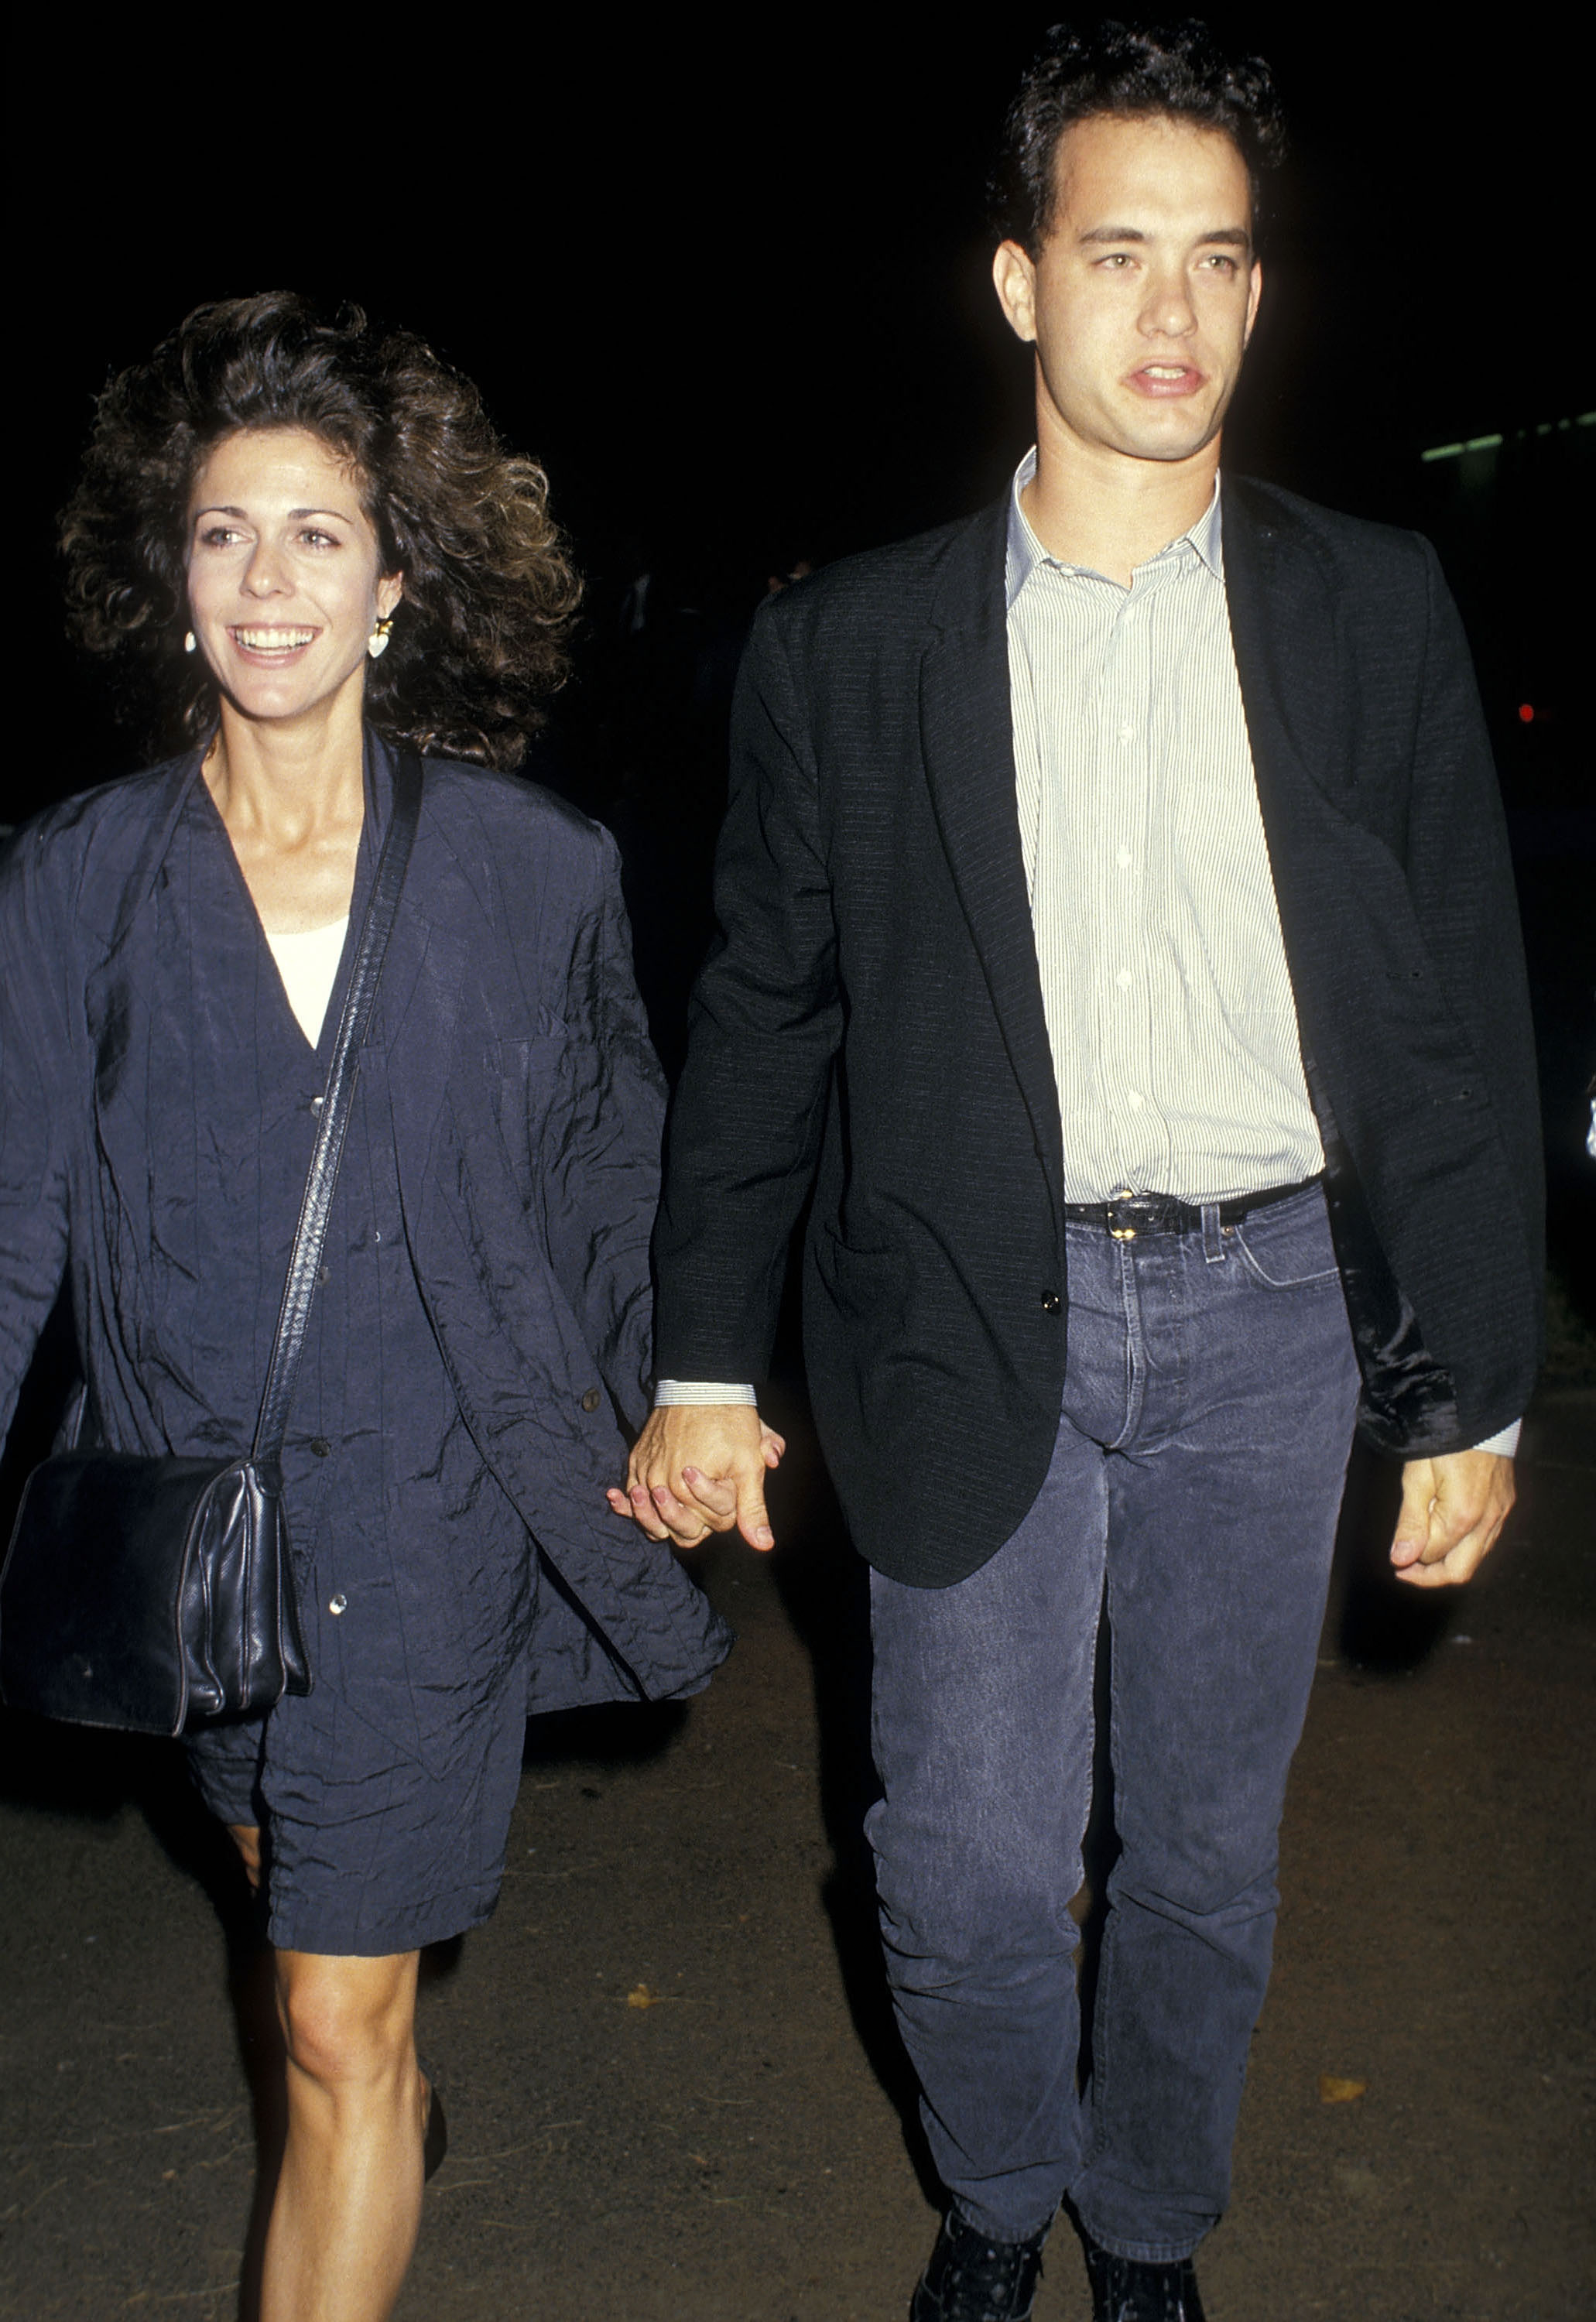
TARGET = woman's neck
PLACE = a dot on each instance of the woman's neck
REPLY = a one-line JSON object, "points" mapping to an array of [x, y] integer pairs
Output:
{"points": [[292, 800], [281, 783]]}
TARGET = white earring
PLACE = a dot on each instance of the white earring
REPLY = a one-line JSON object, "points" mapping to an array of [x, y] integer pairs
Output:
{"points": [[190, 642], [377, 643]]}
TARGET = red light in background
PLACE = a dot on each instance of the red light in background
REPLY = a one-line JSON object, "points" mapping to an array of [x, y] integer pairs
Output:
{"points": [[1526, 713]]}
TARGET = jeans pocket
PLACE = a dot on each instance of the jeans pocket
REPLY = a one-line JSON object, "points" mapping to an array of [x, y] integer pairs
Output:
{"points": [[1288, 1246]]}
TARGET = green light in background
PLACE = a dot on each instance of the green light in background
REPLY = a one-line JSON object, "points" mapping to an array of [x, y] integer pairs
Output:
{"points": [[1491, 442]]}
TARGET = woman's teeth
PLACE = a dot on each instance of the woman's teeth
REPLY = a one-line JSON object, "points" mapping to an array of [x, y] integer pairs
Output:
{"points": [[274, 640]]}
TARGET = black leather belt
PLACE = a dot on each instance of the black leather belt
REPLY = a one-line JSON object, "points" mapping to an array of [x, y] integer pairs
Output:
{"points": [[1129, 1214]]}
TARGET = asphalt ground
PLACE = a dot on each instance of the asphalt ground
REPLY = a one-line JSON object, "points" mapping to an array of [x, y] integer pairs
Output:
{"points": [[672, 2084]]}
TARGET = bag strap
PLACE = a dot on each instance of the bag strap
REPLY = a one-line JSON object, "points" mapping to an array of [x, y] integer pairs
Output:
{"points": [[308, 1242]]}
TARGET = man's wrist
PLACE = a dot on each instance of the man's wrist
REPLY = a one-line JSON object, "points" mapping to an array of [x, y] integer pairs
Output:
{"points": [[670, 1393]]}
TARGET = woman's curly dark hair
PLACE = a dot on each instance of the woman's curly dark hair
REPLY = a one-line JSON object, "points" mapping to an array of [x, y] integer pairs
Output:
{"points": [[1134, 70], [489, 594]]}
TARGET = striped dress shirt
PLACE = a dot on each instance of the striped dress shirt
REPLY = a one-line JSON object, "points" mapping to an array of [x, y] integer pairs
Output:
{"points": [[1158, 939]]}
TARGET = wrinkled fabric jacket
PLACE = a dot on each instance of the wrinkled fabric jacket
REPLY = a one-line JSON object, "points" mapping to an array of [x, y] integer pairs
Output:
{"points": [[509, 1051]]}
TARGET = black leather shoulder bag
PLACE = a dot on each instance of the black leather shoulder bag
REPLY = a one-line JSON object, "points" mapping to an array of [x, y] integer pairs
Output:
{"points": [[142, 1593]]}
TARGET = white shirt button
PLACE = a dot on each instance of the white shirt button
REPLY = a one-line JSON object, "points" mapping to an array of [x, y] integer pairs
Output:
{"points": [[1135, 1098], [1128, 732], [1124, 979], [1123, 858]]}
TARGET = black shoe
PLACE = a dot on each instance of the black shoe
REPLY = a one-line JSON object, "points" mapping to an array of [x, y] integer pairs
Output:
{"points": [[1129, 2290], [434, 2137], [970, 2279]]}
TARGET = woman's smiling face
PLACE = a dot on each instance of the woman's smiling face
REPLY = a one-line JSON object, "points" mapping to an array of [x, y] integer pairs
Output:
{"points": [[285, 574]]}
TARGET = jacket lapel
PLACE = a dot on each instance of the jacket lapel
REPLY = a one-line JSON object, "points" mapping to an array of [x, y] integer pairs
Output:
{"points": [[1282, 625], [1296, 696], [967, 741]]}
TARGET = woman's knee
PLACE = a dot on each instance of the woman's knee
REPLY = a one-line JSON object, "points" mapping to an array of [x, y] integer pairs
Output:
{"points": [[348, 2021]]}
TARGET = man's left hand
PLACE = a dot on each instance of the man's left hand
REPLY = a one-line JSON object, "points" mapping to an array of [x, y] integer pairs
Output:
{"points": [[1452, 1510]]}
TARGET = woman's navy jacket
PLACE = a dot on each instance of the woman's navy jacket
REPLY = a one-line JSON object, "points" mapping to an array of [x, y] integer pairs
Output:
{"points": [[509, 1053]]}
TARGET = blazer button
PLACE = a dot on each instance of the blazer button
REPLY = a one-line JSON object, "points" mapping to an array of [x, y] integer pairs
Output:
{"points": [[339, 1603], [1050, 1302], [592, 1399], [321, 1447]]}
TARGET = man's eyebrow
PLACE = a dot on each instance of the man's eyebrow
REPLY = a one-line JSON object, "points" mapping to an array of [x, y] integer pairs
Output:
{"points": [[1233, 236]]}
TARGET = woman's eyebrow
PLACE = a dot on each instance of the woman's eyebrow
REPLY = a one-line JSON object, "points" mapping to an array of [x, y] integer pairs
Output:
{"points": [[295, 514]]}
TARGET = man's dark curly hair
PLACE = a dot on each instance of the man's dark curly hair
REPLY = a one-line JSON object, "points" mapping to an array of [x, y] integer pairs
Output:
{"points": [[1136, 71], [480, 635]]}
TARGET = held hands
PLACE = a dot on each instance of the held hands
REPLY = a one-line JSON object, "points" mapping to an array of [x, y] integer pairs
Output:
{"points": [[1453, 1509], [700, 1468]]}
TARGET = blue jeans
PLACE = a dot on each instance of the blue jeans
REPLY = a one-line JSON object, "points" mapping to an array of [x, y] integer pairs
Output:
{"points": [[1209, 1407]]}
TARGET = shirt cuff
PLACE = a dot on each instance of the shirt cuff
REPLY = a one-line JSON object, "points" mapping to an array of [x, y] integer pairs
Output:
{"points": [[668, 1391], [1503, 1444]]}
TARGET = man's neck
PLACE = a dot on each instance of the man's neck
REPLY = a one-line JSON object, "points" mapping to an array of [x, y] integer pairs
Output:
{"points": [[1099, 509]]}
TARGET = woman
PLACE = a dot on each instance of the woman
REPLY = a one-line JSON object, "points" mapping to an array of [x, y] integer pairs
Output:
{"points": [[303, 544]]}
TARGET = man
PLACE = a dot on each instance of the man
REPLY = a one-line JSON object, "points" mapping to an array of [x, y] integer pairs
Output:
{"points": [[1117, 934]]}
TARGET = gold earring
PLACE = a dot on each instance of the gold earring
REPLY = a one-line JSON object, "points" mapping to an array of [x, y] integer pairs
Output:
{"points": [[377, 643], [190, 642]]}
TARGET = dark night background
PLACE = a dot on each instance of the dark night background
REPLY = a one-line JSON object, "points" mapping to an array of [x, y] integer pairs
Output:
{"points": [[725, 275]]}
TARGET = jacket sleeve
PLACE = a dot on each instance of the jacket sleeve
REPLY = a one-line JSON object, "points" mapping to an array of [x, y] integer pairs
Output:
{"points": [[1460, 874], [765, 1025], [1443, 1269], [600, 1155], [1461, 878], [36, 1060]]}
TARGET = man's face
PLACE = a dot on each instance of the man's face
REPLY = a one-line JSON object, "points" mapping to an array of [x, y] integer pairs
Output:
{"points": [[1143, 297]]}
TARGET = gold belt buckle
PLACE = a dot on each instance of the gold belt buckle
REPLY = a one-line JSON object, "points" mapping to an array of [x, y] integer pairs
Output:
{"points": [[1118, 1232]]}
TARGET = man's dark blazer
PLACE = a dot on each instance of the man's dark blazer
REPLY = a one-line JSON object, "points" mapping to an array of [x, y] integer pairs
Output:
{"points": [[873, 1007]]}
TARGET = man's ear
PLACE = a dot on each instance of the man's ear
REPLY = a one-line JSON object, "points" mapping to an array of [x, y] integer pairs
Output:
{"points": [[1254, 292], [1014, 277]]}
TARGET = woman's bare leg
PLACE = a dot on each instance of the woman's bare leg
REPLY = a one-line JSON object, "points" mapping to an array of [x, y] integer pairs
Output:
{"points": [[347, 2204], [348, 2201], [246, 1838]]}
